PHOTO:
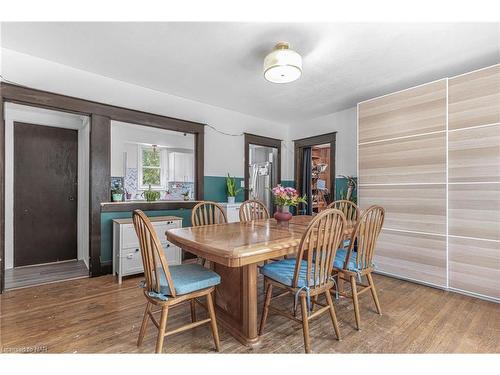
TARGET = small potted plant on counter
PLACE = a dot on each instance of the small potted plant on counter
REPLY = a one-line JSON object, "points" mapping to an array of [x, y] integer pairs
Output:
{"points": [[232, 192], [117, 194], [186, 195], [284, 197], [151, 195]]}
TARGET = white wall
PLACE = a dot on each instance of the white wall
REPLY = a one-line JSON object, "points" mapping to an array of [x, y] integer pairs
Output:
{"points": [[344, 123], [15, 112], [223, 154]]}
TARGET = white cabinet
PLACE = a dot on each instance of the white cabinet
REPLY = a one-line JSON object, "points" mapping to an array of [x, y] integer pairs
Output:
{"points": [[232, 211], [126, 252], [180, 167]]}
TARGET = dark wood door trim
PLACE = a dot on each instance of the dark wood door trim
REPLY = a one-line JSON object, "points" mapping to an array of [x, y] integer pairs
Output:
{"points": [[101, 115], [45, 99], [100, 179], [261, 141], [299, 144]]}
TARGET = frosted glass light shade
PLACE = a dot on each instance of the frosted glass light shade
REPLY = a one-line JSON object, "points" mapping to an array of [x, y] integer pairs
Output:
{"points": [[282, 65]]}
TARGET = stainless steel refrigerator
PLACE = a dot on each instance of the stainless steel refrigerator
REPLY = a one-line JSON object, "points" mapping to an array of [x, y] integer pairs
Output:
{"points": [[261, 177]]}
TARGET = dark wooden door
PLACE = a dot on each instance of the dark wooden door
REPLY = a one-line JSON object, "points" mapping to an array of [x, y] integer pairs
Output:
{"points": [[45, 194]]}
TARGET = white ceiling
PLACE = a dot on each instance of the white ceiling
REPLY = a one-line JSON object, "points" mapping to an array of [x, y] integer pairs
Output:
{"points": [[221, 63]]}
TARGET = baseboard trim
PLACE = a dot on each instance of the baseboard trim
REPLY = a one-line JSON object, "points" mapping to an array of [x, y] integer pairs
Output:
{"points": [[441, 287]]}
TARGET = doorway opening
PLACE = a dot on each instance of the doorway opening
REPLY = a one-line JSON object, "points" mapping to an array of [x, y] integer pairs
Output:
{"points": [[46, 196], [262, 168], [315, 172]]}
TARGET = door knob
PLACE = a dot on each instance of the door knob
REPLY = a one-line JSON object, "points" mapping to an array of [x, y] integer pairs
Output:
{"points": [[71, 198]]}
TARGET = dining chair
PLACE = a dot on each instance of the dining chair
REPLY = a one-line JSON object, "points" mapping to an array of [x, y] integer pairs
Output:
{"points": [[168, 286], [208, 213], [349, 209], [354, 263], [253, 209], [351, 212], [309, 275]]}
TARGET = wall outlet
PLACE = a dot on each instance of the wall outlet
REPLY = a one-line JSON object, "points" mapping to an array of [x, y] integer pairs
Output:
{"points": [[242, 183]]}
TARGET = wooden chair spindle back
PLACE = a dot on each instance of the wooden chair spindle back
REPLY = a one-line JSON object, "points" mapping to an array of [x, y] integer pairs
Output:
{"points": [[366, 232], [348, 208], [253, 210], [152, 253], [207, 213], [321, 241]]}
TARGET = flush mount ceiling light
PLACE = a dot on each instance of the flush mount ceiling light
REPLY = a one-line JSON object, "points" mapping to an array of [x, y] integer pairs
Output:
{"points": [[282, 65]]}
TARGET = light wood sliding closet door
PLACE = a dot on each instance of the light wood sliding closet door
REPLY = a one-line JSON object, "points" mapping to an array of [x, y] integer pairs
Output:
{"points": [[474, 182], [402, 167]]}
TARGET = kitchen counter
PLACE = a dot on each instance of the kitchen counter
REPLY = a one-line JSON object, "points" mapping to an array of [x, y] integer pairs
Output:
{"points": [[146, 206]]}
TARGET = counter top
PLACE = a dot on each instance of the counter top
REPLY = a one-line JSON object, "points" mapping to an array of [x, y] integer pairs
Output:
{"points": [[146, 206], [153, 219]]}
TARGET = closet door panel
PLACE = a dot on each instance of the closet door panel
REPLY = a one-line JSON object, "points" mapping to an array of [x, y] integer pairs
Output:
{"points": [[415, 111], [420, 208], [475, 266], [416, 256], [474, 154], [415, 159], [474, 210], [474, 98]]}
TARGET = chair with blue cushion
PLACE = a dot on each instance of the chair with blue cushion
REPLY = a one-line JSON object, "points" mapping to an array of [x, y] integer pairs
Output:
{"points": [[309, 275], [351, 212], [253, 209], [167, 287], [348, 208], [354, 263], [207, 213]]}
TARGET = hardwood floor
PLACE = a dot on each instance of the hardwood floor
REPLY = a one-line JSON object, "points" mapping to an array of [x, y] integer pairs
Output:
{"points": [[99, 316], [45, 274]]}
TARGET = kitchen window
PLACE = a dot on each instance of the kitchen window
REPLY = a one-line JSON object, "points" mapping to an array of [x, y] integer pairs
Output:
{"points": [[165, 159], [151, 171]]}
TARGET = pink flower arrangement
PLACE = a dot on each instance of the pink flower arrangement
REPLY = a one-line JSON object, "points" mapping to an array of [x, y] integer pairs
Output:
{"points": [[287, 196]]}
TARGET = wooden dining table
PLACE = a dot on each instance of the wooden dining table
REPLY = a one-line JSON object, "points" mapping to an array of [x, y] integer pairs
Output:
{"points": [[235, 250]]}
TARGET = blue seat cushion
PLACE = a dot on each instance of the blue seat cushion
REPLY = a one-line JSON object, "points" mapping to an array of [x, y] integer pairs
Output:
{"points": [[283, 272], [188, 278], [340, 260]]}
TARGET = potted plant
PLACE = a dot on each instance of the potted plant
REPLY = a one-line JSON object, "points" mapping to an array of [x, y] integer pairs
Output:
{"points": [[231, 189], [151, 195], [186, 195], [284, 197], [351, 187], [117, 194]]}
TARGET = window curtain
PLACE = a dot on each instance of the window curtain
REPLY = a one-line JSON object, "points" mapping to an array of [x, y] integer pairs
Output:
{"points": [[306, 188]]}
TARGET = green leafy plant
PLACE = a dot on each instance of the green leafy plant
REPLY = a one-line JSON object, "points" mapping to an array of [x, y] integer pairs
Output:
{"points": [[151, 195], [117, 190], [351, 188], [231, 186], [353, 198]]}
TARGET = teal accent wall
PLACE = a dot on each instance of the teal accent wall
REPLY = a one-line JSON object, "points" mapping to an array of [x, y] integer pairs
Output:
{"points": [[215, 189], [107, 226]]}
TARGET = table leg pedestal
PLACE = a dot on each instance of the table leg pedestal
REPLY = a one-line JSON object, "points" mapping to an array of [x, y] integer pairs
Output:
{"points": [[236, 302]]}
